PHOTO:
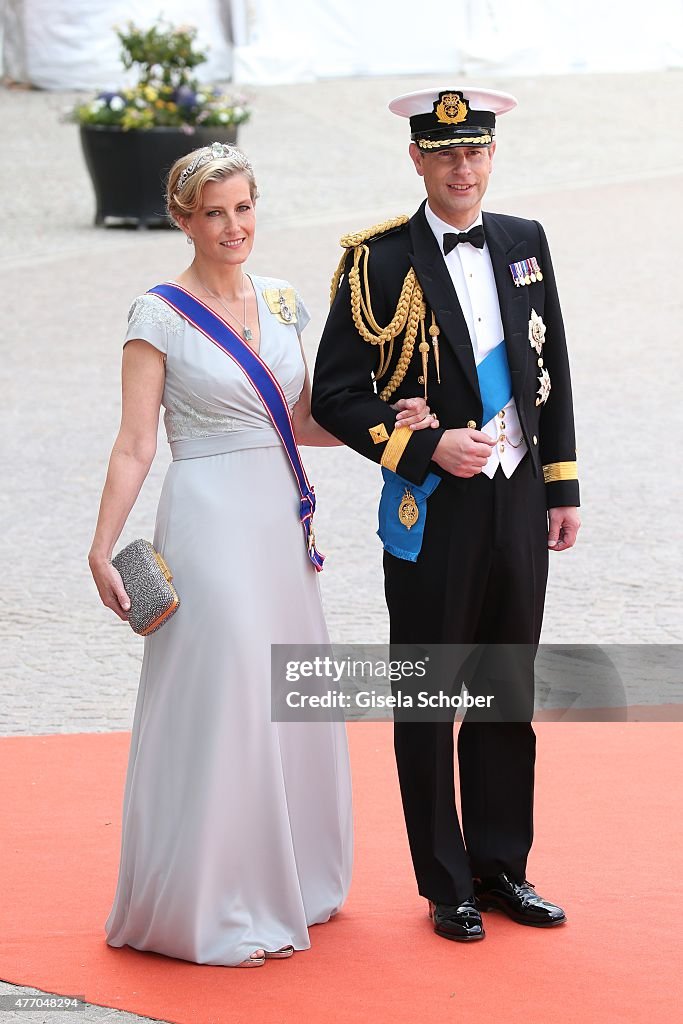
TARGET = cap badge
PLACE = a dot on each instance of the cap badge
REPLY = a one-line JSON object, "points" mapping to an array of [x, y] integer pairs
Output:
{"points": [[451, 108]]}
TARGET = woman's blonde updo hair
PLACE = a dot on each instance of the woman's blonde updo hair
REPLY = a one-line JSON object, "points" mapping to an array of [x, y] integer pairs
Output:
{"points": [[211, 163]]}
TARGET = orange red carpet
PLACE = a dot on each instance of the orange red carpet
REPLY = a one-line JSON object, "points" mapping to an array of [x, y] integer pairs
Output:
{"points": [[608, 848]]}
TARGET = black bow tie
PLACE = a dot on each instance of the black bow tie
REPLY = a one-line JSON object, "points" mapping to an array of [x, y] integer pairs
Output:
{"points": [[475, 236]]}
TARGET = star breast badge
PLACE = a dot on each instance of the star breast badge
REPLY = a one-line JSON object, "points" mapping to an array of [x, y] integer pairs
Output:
{"points": [[543, 387], [536, 332]]}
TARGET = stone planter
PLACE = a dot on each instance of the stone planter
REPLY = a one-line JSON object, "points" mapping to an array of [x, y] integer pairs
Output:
{"points": [[128, 169]]}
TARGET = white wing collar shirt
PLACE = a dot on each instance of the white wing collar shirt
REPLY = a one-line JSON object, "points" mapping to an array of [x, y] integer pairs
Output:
{"points": [[471, 272]]}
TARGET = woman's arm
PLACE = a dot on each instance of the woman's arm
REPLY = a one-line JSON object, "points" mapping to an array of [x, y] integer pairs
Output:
{"points": [[412, 412], [306, 430], [142, 375]]}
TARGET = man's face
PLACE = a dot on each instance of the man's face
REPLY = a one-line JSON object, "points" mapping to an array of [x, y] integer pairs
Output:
{"points": [[456, 179]]}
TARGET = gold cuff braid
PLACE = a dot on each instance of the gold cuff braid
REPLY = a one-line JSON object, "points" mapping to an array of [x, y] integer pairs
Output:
{"points": [[556, 471], [395, 447]]}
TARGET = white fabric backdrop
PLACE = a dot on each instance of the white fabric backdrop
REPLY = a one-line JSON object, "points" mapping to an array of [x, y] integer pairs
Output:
{"points": [[70, 44], [60, 44]]}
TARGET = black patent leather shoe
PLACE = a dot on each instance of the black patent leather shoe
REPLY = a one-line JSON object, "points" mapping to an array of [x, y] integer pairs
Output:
{"points": [[519, 900], [461, 923]]}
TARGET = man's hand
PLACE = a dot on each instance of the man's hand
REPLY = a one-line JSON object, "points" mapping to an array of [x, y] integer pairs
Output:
{"points": [[414, 413], [563, 526], [463, 452]]}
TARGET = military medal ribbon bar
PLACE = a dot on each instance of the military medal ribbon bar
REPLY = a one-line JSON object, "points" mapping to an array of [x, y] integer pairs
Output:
{"points": [[525, 272], [517, 272]]}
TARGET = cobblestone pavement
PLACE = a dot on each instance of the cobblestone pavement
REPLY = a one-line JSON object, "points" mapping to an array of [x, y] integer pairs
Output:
{"points": [[13, 1009], [330, 161]]}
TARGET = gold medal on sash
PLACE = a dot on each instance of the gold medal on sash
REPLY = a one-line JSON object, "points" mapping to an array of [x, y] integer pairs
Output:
{"points": [[408, 512]]}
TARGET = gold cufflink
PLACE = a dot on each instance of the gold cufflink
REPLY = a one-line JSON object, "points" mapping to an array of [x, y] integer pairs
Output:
{"points": [[471, 424]]}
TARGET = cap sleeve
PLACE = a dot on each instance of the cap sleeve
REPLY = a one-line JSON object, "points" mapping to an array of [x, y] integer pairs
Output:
{"points": [[152, 320], [302, 315]]}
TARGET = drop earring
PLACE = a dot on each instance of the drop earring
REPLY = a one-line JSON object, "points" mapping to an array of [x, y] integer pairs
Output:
{"points": [[189, 240]]}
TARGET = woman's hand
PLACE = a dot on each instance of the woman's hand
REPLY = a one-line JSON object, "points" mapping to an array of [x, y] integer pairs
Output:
{"points": [[110, 586], [414, 413]]}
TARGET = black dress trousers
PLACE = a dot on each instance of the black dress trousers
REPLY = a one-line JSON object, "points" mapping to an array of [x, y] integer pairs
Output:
{"points": [[480, 579]]}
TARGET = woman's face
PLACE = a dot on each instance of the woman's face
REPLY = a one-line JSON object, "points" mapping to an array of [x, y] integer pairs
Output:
{"points": [[223, 227]]}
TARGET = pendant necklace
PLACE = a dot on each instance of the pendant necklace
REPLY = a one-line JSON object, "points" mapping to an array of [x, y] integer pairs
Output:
{"points": [[247, 332]]}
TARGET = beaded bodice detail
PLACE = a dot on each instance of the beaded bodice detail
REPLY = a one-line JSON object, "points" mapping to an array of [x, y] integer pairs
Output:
{"points": [[148, 311]]}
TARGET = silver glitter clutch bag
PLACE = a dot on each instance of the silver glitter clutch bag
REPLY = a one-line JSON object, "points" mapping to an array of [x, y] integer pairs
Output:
{"points": [[148, 582]]}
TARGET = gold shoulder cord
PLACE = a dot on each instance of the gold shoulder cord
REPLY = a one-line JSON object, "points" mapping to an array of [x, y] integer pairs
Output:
{"points": [[410, 310]]}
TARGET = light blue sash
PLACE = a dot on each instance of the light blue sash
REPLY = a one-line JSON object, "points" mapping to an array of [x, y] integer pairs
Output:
{"points": [[495, 383], [397, 538]]}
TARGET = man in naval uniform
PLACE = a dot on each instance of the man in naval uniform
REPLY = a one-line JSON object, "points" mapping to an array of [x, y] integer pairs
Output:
{"points": [[464, 307]]}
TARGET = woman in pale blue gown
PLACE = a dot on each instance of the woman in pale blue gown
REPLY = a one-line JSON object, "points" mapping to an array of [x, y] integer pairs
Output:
{"points": [[237, 831]]}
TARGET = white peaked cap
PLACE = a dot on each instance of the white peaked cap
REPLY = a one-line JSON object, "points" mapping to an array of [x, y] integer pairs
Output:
{"points": [[422, 102]]}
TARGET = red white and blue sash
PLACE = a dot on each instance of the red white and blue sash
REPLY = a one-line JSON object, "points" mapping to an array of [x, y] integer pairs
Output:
{"points": [[264, 384]]}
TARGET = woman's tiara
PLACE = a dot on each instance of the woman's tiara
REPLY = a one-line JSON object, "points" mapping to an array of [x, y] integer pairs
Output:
{"points": [[216, 151]]}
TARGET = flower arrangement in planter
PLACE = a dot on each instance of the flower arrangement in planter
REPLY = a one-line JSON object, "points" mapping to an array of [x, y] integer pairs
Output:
{"points": [[132, 136], [165, 96]]}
